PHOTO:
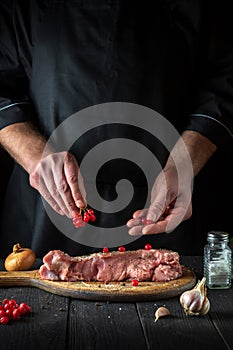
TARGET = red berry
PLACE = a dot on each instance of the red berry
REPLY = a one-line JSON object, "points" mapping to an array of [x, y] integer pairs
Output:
{"points": [[77, 218], [9, 312], [92, 217], [5, 301], [4, 320], [143, 221], [121, 249], [78, 222], [91, 211], [16, 314], [2, 313], [86, 217], [24, 308], [105, 250], [76, 214], [134, 283], [12, 302], [7, 306], [148, 246]]}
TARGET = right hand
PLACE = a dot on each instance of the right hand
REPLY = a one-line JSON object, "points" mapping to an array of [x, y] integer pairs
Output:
{"points": [[57, 178]]}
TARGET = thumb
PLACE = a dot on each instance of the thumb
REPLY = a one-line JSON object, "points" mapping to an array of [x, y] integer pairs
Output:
{"points": [[155, 210]]}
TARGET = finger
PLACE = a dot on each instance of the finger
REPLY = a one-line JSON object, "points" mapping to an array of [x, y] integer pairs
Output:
{"points": [[155, 211], [135, 231], [58, 188], [49, 198], [75, 181], [64, 196], [176, 216], [140, 213], [37, 182], [158, 227], [133, 222], [167, 224]]}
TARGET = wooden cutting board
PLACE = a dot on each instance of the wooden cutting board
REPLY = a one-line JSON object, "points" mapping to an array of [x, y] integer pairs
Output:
{"points": [[99, 291]]}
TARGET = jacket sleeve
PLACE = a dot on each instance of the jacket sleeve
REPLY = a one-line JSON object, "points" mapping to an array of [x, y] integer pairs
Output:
{"points": [[15, 106], [212, 107]]}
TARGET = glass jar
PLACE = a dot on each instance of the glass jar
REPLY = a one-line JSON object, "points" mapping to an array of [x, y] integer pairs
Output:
{"points": [[231, 246], [217, 260]]}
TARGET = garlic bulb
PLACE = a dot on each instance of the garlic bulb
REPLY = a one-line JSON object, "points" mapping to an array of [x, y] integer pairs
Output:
{"points": [[195, 301]]}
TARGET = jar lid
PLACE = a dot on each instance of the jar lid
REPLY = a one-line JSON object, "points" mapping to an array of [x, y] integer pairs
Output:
{"points": [[217, 236]]}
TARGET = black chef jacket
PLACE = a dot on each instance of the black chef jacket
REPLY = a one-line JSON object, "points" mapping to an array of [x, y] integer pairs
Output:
{"points": [[59, 57]]}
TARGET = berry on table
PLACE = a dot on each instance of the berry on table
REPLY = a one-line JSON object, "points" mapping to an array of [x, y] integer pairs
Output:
{"points": [[11, 311], [4, 320], [2, 313]]}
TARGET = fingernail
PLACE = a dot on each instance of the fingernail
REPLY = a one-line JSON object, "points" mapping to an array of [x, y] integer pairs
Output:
{"points": [[144, 231], [81, 204], [152, 217], [132, 233]]}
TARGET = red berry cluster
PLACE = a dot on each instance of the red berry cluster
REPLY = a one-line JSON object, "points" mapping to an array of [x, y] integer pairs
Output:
{"points": [[10, 310], [83, 216]]}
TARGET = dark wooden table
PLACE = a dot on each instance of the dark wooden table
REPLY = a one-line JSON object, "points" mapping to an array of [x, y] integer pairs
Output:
{"points": [[62, 323]]}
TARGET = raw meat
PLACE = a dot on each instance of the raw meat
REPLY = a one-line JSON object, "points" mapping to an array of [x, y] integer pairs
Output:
{"points": [[158, 265]]}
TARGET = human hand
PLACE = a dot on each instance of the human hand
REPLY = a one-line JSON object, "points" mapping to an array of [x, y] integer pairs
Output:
{"points": [[57, 178], [170, 205]]}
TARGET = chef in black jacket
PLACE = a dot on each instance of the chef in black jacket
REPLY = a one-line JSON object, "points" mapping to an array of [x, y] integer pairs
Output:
{"points": [[60, 57]]}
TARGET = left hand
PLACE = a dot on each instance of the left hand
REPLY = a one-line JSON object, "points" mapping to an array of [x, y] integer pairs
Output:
{"points": [[170, 205]]}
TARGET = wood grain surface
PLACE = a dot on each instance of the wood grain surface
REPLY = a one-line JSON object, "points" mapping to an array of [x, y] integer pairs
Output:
{"points": [[99, 291]]}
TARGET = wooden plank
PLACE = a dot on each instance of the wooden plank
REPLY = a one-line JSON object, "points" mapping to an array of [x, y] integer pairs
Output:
{"points": [[178, 331], [221, 309], [222, 314], [43, 328], [103, 325]]}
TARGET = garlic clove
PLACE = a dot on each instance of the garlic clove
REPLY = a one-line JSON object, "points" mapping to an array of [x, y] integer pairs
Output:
{"points": [[205, 307], [195, 301], [161, 312]]}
